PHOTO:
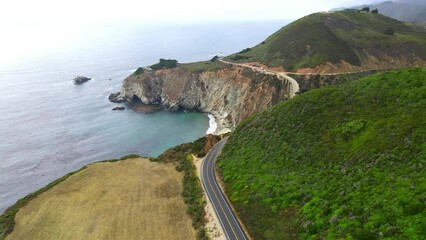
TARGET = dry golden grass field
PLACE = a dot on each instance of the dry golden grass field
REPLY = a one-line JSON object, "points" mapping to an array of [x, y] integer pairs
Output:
{"points": [[130, 199]]}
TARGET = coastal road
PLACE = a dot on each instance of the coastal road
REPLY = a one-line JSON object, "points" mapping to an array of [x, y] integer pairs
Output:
{"points": [[226, 216], [294, 85]]}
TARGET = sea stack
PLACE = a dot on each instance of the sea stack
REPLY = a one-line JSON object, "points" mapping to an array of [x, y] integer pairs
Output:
{"points": [[80, 79]]}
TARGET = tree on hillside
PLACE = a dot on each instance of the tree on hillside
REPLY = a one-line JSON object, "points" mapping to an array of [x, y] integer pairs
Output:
{"points": [[245, 50], [165, 63], [366, 9], [375, 11]]}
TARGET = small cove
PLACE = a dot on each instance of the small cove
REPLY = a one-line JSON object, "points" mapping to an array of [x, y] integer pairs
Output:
{"points": [[49, 126]]}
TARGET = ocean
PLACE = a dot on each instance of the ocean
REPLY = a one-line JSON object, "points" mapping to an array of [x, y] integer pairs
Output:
{"points": [[49, 126]]}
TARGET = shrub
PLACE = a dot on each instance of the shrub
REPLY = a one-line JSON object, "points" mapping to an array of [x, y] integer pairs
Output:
{"points": [[362, 234], [245, 50], [192, 190], [350, 128], [366, 9], [389, 31], [165, 64], [375, 11], [239, 57], [139, 71], [214, 59]]}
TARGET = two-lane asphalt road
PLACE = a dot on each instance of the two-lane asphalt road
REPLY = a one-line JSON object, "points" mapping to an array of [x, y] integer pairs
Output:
{"points": [[226, 216], [294, 88]]}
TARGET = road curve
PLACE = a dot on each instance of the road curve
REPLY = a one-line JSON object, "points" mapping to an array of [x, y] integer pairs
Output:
{"points": [[294, 85], [226, 216]]}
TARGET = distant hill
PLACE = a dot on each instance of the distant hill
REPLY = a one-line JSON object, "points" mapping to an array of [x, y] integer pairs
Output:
{"points": [[407, 11], [347, 40], [340, 162]]}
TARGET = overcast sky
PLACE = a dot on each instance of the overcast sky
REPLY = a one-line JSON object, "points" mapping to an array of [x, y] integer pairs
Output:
{"points": [[161, 11]]}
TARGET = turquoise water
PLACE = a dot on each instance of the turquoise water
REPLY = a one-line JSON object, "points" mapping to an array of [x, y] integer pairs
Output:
{"points": [[49, 126]]}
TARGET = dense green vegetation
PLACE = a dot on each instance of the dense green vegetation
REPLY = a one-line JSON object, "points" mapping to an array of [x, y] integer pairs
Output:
{"points": [[203, 66], [348, 35], [139, 71], [340, 162], [239, 57], [214, 59], [7, 219], [245, 50], [192, 190], [164, 64]]}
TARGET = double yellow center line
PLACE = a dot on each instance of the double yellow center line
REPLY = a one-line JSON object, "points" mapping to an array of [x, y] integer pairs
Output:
{"points": [[220, 204]]}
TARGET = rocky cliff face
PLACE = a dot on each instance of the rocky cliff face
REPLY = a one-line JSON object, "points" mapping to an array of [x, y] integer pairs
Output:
{"points": [[231, 94]]}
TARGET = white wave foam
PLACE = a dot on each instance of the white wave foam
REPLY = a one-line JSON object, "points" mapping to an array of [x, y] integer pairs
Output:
{"points": [[212, 124]]}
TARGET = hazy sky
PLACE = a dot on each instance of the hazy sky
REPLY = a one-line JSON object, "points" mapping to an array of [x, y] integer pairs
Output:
{"points": [[160, 11], [40, 27]]}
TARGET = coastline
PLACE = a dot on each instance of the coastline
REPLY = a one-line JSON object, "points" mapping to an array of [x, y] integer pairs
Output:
{"points": [[104, 179], [7, 219], [212, 124], [221, 126]]}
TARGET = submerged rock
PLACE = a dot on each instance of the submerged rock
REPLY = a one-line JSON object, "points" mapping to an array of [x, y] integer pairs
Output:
{"points": [[118, 108], [145, 108], [80, 79], [115, 97]]}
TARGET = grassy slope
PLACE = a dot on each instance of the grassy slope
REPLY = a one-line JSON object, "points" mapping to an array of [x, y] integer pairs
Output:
{"points": [[119, 200], [198, 67], [330, 37], [180, 155], [339, 162], [7, 219], [406, 12], [192, 190]]}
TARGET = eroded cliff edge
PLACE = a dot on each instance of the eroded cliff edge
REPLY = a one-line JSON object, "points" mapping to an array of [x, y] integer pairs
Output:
{"points": [[230, 94]]}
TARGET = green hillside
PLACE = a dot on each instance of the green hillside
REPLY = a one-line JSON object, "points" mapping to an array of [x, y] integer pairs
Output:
{"points": [[349, 35], [340, 162], [407, 11]]}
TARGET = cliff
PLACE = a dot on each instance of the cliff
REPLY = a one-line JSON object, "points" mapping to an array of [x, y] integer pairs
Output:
{"points": [[230, 94]]}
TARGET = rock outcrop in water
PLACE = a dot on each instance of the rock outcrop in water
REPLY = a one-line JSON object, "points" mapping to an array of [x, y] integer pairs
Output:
{"points": [[80, 79], [230, 94], [118, 108], [115, 97]]}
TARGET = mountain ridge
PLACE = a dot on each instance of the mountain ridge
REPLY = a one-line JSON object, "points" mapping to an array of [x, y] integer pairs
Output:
{"points": [[407, 11], [348, 40]]}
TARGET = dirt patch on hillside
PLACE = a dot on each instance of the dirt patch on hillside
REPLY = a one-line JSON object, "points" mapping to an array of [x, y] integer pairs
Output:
{"points": [[260, 65], [369, 63]]}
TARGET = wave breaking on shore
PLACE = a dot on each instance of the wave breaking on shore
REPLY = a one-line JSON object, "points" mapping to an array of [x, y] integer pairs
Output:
{"points": [[212, 124]]}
